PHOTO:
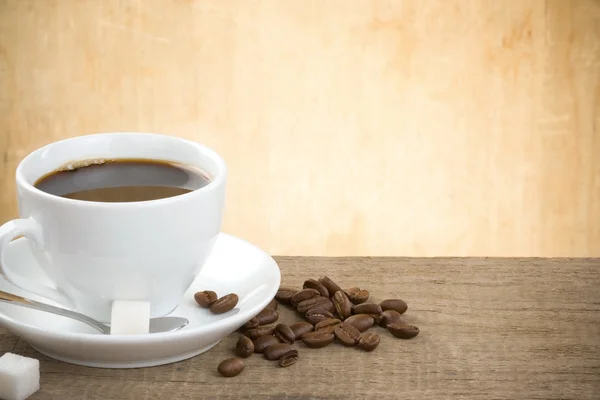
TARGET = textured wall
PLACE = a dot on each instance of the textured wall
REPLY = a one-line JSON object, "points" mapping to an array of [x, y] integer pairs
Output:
{"points": [[351, 127]]}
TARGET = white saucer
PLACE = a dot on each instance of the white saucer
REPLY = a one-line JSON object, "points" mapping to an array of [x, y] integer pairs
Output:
{"points": [[234, 266]]}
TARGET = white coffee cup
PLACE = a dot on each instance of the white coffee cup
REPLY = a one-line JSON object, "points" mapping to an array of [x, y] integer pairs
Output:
{"points": [[97, 252]]}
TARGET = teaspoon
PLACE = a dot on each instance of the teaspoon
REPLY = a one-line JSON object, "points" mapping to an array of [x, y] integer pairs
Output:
{"points": [[157, 325]]}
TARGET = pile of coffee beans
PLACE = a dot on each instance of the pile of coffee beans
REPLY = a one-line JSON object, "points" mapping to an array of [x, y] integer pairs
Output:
{"points": [[330, 313]]}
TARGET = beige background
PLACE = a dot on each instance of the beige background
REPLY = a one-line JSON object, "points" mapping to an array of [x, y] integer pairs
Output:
{"points": [[351, 127]]}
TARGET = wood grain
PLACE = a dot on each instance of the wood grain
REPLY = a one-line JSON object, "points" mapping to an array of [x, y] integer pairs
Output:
{"points": [[490, 329], [364, 127]]}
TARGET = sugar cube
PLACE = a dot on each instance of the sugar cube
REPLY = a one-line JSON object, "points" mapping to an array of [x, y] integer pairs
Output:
{"points": [[19, 376], [130, 317]]}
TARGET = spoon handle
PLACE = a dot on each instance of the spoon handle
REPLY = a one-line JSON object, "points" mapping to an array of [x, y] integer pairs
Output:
{"points": [[10, 298]]}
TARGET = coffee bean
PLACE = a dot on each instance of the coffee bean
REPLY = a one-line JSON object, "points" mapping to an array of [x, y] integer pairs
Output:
{"points": [[284, 333], [368, 341], [362, 322], [272, 305], [314, 284], [302, 295], [279, 350], [306, 305], [331, 286], [288, 359], [244, 347], [206, 298], [251, 324], [389, 317], [403, 331], [357, 295], [300, 328], [347, 334], [372, 309], [316, 303], [262, 342], [366, 308], [260, 331], [343, 305], [231, 367], [394, 304], [327, 325], [224, 304], [316, 316], [267, 316], [317, 339], [284, 294]]}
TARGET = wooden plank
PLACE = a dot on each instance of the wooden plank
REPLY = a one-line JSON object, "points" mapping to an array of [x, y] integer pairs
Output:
{"points": [[490, 329]]}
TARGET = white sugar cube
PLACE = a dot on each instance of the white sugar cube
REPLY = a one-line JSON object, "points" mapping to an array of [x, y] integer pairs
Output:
{"points": [[19, 376], [130, 317]]}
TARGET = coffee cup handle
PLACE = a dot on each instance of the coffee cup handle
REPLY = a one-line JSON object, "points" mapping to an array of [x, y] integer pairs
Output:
{"points": [[29, 228]]}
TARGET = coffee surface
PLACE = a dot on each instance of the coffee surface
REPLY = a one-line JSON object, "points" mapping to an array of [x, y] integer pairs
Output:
{"points": [[122, 180]]}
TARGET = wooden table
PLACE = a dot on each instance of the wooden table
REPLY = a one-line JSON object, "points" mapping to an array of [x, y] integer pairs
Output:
{"points": [[490, 329]]}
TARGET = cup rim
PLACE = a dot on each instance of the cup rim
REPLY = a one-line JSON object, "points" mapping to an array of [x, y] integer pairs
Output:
{"points": [[215, 181]]}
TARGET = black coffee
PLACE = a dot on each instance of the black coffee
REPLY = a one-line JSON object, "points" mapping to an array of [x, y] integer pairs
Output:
{"points": [[122, 180]]}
